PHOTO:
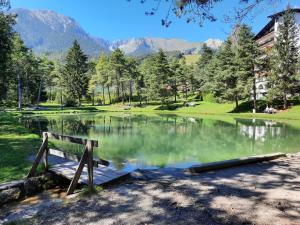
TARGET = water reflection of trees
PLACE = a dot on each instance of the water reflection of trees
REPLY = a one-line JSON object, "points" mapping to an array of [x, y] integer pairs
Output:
{"points": [[159, 141], [69, 125]]}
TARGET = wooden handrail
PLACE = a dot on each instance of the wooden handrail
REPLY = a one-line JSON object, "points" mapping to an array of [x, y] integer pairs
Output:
{"points": [[76, 158], [71, 139]]}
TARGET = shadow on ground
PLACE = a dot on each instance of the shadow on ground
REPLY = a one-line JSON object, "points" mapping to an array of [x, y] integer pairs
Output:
{"points": [[265, 193], [247, 107]]}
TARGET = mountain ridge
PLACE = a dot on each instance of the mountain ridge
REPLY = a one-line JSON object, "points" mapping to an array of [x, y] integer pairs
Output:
{"points": [[46, 31]]}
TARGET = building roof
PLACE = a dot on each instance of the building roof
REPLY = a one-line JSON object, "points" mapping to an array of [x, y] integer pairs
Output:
{"points": [[267, 28], [295, 10]]}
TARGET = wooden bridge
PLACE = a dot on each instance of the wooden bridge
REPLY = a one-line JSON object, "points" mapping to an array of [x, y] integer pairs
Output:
{"points": [[85, 169]]}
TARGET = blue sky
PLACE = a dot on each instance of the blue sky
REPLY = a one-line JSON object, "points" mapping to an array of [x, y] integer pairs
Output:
{"points": [[120, 19]]}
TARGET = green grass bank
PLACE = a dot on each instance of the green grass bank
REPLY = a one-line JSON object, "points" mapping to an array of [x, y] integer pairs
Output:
{"points": [[201, 108], [16, 143]]}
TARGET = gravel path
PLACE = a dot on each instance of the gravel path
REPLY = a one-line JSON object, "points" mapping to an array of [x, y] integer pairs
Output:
{"points": [[263, 193]]}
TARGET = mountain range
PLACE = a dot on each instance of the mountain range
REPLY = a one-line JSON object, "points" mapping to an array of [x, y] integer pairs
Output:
{"points": [[46, 31]]}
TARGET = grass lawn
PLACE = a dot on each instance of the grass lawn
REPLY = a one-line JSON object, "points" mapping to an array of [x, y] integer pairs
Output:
{"points": [[16, 144], [202, 108]]}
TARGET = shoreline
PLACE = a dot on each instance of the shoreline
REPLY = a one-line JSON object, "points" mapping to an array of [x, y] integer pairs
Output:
{"points": [[261, 116]]}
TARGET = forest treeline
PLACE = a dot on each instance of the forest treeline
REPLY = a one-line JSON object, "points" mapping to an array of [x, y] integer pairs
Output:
{"points": [[226, 74]]}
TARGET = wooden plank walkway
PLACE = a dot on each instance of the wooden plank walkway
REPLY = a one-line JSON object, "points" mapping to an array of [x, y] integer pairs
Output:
{"points": [[102, 174]]}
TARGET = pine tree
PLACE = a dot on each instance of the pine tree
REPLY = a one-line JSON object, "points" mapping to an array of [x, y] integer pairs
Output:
{"points": [[132, 74], [119, 65], [147, 87], [226, 78], [140, 84], [177, 73], [6, 36], [74, 74], [162, 74], [181, 76], [203, 72], [101, 76], [247, 56], [27, 72], [45, 69], [19, 61], [285, 58]]}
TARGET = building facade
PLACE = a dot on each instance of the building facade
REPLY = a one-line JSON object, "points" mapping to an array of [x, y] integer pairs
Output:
{"points": [[265, 40]]}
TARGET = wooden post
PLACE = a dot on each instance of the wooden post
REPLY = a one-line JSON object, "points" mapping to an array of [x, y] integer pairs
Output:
{"points": [[78, 172], [39, 155], [46, 158], [90, 164]]}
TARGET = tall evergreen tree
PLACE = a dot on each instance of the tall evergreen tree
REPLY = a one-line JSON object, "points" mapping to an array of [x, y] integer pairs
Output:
{"points": [[181, 76], [45, 69], [283, 77], [101, 76], [26, 74], [140, 84], [247, 56], [19, 61], [132, 74], [158, 82], [203, 71], [146, 83], [177, 74], [6, 36], [226, 79], [118, 64], [74, 74]]}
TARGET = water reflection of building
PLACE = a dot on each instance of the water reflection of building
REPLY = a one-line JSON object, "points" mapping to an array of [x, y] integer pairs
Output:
{"points": [[260, 131]]}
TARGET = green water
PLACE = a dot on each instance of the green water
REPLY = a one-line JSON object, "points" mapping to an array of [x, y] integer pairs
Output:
{"points": [[135, 141]]}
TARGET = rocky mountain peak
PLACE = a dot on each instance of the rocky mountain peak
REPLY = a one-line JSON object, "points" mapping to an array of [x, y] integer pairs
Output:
{"points": [[46, 31]]}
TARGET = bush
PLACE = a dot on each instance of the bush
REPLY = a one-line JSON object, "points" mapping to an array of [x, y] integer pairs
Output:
{"points": [[209, 97], [70, 103], [247, 106]]}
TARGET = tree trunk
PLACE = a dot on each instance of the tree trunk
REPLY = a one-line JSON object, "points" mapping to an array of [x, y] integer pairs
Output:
{"points": [[254, 95], [50, 95], [109, 94], [122, 89], [140, 97], [79, 101], [103, 95], [285, 101], [19, 92], [27, 91], [118, 89], [186, 93], [61, 99], [236, 100], [175, 92], [130, 92], [93, 98], [39, 93]]}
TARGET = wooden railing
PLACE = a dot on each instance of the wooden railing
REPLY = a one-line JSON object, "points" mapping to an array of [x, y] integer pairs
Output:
{"points": [[86, 158]]}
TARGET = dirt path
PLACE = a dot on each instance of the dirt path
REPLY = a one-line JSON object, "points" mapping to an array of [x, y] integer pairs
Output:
{"points": [[263, 193]]}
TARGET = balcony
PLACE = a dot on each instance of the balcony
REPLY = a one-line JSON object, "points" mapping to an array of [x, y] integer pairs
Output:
{"points": [[266, 40]]}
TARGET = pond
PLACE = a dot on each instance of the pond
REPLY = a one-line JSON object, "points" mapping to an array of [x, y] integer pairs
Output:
{"points": [[146, 142]]}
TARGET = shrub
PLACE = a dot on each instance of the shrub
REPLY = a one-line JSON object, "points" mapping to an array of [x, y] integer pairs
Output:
{"points": [[209, 97], [70, 103]]}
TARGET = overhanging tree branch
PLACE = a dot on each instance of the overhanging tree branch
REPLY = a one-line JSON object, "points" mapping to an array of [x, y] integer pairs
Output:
{"points": [[200, 11]]}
